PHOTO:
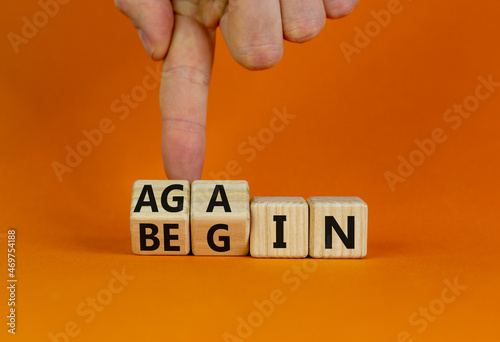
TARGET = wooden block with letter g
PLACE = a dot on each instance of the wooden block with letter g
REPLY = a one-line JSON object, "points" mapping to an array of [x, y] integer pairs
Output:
{"points": [[220, 217], [279, 227], [159, 217], [338, 227]]}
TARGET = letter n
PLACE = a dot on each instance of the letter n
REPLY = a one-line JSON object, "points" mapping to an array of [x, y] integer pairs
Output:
{"points": [[348, 240]]}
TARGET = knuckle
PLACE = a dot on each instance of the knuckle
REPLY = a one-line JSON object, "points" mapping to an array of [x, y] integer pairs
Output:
{"points": [[184, 125], [190, 74]]}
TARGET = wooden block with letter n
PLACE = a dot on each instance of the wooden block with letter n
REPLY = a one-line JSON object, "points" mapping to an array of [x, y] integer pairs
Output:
{"points": [[159, 217], [279, 227], [220, 217], [338, 227]]}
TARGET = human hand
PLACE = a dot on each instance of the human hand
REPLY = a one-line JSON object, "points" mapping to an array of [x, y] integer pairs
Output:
{"points": [[182, 33]]}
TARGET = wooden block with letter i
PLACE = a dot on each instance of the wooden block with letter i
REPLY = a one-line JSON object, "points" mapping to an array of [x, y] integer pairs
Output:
{"points": [[159, 217], [338, 227], [220, 217], [279, 227]]}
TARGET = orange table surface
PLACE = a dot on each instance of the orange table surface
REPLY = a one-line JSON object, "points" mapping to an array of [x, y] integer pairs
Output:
{"points": [[359, 125]]}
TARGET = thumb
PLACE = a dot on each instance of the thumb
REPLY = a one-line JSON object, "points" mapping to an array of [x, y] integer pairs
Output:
{"points": [[154, 20]]}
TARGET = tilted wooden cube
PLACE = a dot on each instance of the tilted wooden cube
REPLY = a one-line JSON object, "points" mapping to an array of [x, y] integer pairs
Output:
{"points": [[220, 217], [159, 217], [279, 227], [338, 227]]}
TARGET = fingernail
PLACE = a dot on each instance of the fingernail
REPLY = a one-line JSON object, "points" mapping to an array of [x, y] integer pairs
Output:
{"points": [[150, 49]]}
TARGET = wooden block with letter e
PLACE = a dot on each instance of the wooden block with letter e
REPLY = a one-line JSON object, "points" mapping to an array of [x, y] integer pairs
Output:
{"points": [[338, 227], [279, 227], [220, 217], [159, 217]]}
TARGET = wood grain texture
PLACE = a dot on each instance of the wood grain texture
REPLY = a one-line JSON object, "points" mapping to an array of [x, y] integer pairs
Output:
{"points": [[237, 219], [146, 215], [263, 236], [340, 208]]}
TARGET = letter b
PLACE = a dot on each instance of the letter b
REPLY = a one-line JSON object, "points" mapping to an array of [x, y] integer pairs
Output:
{"points": [[151, 236], [266, 307], [51, 7], [383, 17], [427, 146], [95, 136]]}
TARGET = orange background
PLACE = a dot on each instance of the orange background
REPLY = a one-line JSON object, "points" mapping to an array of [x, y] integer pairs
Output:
{"points": [[353, 121]]}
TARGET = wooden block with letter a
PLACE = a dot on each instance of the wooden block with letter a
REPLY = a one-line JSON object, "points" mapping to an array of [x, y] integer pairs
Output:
{"points": [[338, 227], [279, 227], [159, 217], [220, 217]]}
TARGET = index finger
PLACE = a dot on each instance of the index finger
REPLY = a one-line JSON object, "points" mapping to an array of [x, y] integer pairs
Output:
{"points": [[183, 98]]}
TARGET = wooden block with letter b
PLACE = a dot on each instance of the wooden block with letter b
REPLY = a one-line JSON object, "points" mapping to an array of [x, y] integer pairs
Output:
{"points": [[338, 227], [159, 217], [279, 227], [220, 217]]}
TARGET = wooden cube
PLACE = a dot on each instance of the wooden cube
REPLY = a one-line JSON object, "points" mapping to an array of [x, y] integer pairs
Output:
{"points": [[279, 227], [337, 227], [220, 217], [159, 217]]}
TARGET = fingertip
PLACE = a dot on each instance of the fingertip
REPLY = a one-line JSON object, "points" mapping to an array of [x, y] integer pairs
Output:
{"points": [[146, 42], [259, 57], [336, 9], [183, 151], [253, 33], [154, 21]]}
